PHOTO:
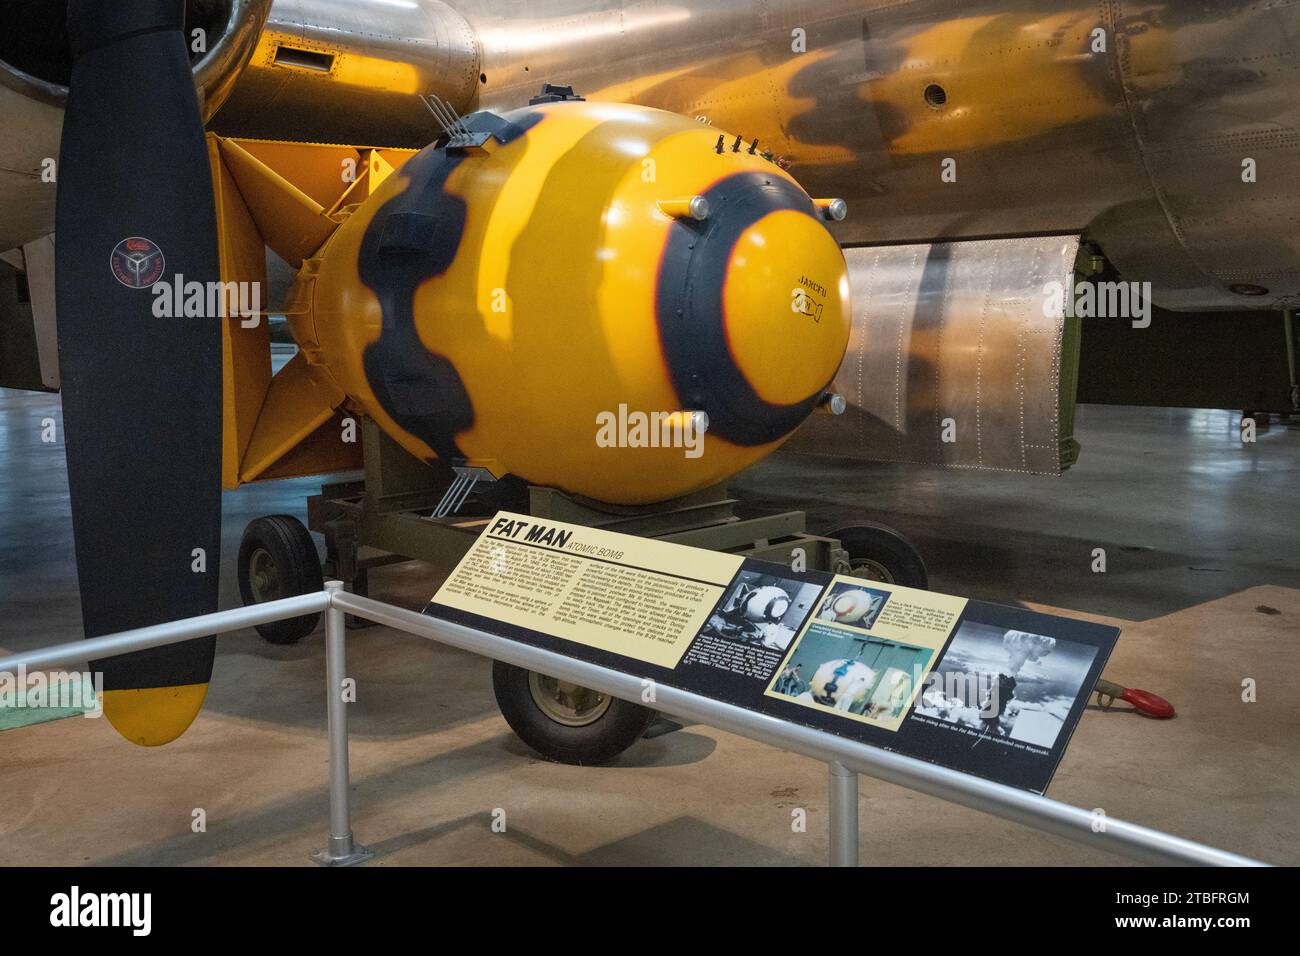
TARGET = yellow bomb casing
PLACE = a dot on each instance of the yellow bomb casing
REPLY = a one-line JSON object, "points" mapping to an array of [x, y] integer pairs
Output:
{"points": [[538, 298]]}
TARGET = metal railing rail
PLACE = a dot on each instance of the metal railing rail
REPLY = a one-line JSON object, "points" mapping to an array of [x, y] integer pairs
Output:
{"points": [[845, 759]]}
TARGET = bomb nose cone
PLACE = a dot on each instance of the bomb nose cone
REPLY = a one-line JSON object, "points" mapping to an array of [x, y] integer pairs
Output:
{"points": [[785, 306], [754, 309]]}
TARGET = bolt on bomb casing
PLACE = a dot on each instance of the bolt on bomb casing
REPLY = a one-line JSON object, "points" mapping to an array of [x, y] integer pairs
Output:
{"points": [[497, 296]]}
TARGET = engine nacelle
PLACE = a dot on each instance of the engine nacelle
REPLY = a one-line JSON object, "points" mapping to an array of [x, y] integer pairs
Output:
{"points": [[35, 67], [559, 293]]}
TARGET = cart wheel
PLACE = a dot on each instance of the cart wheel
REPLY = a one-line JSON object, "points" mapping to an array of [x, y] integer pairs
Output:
{"points": [[278, 559], [565, 722], [877, 553]]}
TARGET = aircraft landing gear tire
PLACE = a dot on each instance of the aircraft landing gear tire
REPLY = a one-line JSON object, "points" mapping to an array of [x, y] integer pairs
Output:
{"points": [[877, 553], [278, 559], [564, 722]]}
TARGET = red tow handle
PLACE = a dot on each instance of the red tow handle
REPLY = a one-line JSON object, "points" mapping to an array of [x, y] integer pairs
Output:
{"points": [[1143, 701]]}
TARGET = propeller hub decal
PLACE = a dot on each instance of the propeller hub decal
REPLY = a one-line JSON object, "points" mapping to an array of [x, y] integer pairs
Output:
{"points": [[137, 262]]}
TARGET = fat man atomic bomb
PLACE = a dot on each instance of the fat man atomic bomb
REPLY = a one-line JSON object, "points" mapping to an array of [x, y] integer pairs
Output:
{"points": [[516, 285]]}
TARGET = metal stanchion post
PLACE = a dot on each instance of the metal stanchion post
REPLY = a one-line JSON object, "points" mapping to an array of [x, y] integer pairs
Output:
{"points": [[340, 850], [844, 815]]}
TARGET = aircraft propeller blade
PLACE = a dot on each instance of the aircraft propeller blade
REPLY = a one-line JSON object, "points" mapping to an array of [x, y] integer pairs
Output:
{"points": [[141, 391]]}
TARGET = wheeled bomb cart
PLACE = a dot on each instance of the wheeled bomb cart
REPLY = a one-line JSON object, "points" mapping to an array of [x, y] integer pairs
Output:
{"points": [[403, 509]]}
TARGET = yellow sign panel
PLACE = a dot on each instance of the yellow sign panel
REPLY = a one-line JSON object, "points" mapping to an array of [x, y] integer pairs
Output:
{"points": [[637, 597]]}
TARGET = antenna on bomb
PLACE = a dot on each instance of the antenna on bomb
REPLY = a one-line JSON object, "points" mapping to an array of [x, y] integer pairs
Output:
{"points": [[446, 116], [459, 136]]}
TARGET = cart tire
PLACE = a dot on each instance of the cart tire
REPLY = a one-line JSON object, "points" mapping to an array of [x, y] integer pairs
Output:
{"points": [[610, 727], [278, 559], [879, 553]]}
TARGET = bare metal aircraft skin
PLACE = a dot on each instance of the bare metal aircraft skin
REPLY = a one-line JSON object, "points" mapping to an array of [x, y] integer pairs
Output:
{"points": [[1134, 121]]}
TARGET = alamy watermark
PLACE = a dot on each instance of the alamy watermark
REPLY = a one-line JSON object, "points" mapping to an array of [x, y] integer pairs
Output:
{"points": [[1100, 300], [197, 300], [133, 911], [635, 429], [53, 690]]}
